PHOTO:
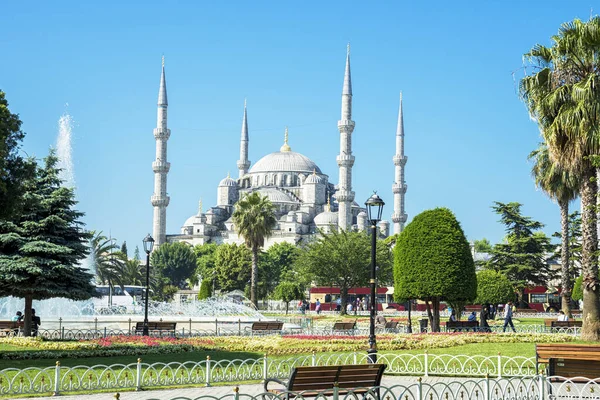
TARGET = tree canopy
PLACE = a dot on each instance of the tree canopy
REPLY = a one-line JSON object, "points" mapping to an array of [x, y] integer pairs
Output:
{"points": [[233, 266], [288, 291], [433, 262], [172, 264], [493, 288], [274, 266], [343, 259]]}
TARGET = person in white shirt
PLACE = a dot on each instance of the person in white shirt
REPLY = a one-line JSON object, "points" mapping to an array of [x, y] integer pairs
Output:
{"points": [[562, 316], [508, 313]]}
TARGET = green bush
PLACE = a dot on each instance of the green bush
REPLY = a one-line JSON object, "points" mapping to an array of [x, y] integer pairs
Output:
{"points": [[493, 288]]}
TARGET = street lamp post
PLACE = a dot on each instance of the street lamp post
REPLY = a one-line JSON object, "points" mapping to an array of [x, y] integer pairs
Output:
{"points": [[374, 210], [148, 245]]}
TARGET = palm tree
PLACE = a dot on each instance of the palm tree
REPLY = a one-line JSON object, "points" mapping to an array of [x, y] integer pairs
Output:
{"points": [[562, 186], [254, 218], [133, 273], [562, 95], [106, 261]]}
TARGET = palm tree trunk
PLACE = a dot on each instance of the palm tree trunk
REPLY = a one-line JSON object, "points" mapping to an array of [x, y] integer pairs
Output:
{"points": [[564, 258], [589, 259], [254, 276], [27, 315]]}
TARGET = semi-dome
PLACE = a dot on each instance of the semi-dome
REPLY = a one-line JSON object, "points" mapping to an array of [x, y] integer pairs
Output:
{"points": [[326, 218], [314, 179], [285, 161], [276, 196]]}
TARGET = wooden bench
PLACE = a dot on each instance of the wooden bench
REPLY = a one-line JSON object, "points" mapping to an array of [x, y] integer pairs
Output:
{"points": [[11, 328], [266, 327], [344, 326], [461, 326], [569, 360], [554, 325], [156, 328], [320, 381], [525, 311]]}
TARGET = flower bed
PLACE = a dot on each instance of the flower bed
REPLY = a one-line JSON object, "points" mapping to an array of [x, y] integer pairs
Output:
{"points": [[272, 345]]}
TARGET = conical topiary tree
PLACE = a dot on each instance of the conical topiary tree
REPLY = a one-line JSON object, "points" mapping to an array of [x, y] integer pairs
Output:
{"points": [[433, 262]]}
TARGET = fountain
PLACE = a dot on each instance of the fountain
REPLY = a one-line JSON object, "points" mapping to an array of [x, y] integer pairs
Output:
{"points": [[64, 149]]}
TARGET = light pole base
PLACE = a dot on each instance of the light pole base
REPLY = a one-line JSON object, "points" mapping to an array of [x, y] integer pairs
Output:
{"points": [[372, 356]]}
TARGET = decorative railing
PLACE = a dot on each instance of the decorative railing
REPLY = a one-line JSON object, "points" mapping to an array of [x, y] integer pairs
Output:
{"points": [[529, 388], [140, 375]]}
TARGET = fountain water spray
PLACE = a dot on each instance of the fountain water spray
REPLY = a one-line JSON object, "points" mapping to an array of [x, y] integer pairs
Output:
{"points": [[64, 150]]}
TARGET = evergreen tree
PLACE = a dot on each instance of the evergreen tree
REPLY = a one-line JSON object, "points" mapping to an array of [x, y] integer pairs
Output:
{"points": [[522, 258], [433, 262], [482, 246], [493, 288], [14, 169], [136, 253], [41, 249], [205, 291], [124, 249]]}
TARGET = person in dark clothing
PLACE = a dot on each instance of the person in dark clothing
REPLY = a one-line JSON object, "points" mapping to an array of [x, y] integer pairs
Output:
{"points": [[483, 318], [35, 323]]}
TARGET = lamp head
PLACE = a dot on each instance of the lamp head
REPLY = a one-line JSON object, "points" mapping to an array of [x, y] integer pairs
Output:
{"points": [[374, 208], [148, 244]]}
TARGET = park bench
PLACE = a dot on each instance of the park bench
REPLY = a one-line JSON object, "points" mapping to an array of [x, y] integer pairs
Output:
{"points": [[569, 360], [344, 327], [10, 328], [266, 327], [526, 311], [554, 325], [156, 328], [461, 326], [320, 381]]}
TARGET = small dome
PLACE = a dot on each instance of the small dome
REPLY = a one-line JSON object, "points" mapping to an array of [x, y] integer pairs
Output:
{"points": [[227, 182], [362, 214], [194, 219], [314, 179], [326, 218]]}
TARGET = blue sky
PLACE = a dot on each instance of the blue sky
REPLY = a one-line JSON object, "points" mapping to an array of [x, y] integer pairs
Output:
{"points": [[457, 64]]}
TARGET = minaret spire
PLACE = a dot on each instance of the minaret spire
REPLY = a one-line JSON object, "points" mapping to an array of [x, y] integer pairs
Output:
{"points": [[345, 160], [243, 163], [160, 166], [399, 187]]}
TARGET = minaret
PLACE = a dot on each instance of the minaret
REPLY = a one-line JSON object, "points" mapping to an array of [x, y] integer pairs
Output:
{"points": [[243, 163], [160, 166], [399, 186], [345, 161]]}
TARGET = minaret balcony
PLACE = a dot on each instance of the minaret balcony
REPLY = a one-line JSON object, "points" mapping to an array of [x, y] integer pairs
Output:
{"points": [[399, 218], [400, 160], [399, 188], [243, 164], [159, 201], [159, 166], [346, 126], [345, 160], [344, 196], [162, 133]]}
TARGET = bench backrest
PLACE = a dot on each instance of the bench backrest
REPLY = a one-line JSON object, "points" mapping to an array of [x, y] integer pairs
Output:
{"points": [[344, 326], [325, 377], [11, 324], [544, 352], [462, 323], [267, 326], [157, 326], [391, 325], [571, 368]]}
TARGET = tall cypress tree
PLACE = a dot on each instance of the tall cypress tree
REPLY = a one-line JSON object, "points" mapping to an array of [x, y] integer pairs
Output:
{"points": [[41, 249]]}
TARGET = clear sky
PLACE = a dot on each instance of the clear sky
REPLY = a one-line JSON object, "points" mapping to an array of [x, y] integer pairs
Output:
{"points": [[457, 63]]}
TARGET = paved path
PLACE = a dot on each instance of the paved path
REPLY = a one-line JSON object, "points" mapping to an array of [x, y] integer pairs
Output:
{"points": [[218, 391]]}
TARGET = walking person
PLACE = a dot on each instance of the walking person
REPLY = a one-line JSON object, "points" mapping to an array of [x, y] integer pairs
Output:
{"points": [[483, 319], [318, 307], [508, 313]]}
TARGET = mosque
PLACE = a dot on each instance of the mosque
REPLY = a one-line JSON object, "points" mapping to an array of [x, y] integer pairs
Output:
{"points": [[304, 198]]}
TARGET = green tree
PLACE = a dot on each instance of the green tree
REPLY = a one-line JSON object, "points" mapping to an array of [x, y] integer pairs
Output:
{"points": [[124, 249], [136, 253], [233, 264], [133, 273], [274, 263], [40, 251], [344, 258], [254, 219], [522, 258], [175, 262], [433, 262], [482, 246], [105, 262], [578, 289], [288, 291], [14, 169], [562, 187], [205, 260], [493, 288], [204, 292], [561, 93]]}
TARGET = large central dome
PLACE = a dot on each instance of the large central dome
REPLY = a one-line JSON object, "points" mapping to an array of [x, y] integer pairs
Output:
{"points": [[285, 161]]}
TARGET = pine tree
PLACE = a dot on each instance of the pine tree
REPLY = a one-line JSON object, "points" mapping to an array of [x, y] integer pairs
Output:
{"points": [[136, 253], [40, 251], [124, 249]]}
